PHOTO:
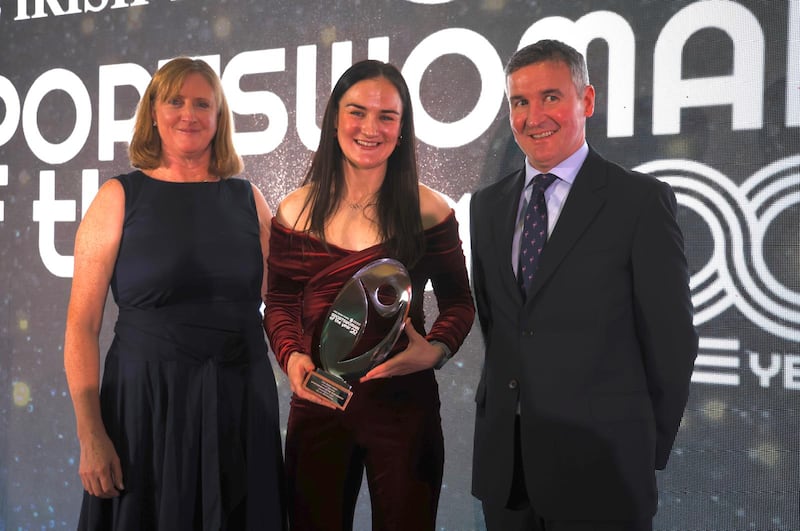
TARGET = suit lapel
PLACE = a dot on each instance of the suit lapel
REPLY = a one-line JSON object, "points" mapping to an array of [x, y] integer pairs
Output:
{"points": [[586, 198], [503, 215]]}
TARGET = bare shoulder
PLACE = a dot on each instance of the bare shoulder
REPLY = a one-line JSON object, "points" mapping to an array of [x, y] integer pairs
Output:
{"points": [[433, 206], [110, 192], [107, 205], [100, 230], [262, 208], [290, 211]]}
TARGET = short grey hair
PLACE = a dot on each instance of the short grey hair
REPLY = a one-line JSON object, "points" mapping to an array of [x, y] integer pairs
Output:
{"points": [[551, 50]]}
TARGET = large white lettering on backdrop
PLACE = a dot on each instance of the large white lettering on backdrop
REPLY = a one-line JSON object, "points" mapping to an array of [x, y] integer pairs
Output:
{"points": [[743, 91], [737, 217]]}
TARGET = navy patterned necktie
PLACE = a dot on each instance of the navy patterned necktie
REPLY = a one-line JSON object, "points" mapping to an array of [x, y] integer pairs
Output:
{"points": [[534, 231]]}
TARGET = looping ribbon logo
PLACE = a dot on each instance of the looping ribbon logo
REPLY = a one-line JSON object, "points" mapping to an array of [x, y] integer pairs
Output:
{"points": [[739, 218]]}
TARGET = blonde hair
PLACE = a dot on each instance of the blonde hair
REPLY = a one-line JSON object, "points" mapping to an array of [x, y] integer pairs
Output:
{"points": [[144, 150]]}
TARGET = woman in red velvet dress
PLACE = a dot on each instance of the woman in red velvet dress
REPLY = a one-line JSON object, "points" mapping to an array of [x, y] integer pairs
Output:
{"points": [[361, 200]]}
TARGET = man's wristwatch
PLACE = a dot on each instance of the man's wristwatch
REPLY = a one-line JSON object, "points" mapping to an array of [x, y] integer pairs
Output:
{"points": [[446, 354]]}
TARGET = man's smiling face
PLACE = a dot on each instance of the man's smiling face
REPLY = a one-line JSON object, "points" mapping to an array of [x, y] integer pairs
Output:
{"points": [[547, 113]]}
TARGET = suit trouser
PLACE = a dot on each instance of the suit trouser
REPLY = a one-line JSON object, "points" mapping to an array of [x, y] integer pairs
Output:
{"points": [[394, 433], [519, 515]]}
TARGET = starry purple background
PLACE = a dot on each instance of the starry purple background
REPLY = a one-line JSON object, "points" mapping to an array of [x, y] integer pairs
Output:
{"points": [[736, 463]]}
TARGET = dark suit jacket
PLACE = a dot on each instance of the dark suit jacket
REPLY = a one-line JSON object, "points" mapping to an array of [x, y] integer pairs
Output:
{"points": [[599, 355]]}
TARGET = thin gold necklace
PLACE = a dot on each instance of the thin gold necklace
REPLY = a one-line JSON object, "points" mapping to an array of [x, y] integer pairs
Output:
{"points": [[360, 205]]}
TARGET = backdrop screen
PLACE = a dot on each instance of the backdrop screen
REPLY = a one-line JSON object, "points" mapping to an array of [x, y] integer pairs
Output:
{"points": [[704, 95]]}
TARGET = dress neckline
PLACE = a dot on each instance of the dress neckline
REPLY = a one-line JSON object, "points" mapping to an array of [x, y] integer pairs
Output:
{"points": [[277, 224], [153, 179]]}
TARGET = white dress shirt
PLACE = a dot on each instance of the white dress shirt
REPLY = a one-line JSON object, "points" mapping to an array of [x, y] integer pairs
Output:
{"points": [[555, 195]]}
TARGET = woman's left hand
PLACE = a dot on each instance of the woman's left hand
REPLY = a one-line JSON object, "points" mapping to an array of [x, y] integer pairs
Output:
{"points": [[418, 355]]}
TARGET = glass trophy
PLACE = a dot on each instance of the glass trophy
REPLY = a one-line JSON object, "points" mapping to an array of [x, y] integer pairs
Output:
{"points": [[360, 329]]}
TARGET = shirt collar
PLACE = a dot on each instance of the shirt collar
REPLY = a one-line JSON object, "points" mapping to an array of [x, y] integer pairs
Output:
{"points": [[566, 170]]}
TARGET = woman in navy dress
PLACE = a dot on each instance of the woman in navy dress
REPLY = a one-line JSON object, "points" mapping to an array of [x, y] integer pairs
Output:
{"points": [[183, 433]]}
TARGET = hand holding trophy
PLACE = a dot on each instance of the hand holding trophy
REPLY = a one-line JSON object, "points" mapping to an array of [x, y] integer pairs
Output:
{"points": [[375, 300]]}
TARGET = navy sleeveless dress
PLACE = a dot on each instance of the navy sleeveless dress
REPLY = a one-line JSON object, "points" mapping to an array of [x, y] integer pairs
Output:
{"points": [[188, 394]]}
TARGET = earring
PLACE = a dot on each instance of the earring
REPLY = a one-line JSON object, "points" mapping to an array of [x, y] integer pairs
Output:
{"points": [[154, 123]]}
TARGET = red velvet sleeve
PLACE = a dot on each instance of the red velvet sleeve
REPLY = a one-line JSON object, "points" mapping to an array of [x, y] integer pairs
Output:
{"points": [[285, 282], [444, 264]]}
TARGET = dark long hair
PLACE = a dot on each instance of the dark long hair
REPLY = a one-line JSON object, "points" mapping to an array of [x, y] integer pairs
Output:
{"points": [[397, 207]]}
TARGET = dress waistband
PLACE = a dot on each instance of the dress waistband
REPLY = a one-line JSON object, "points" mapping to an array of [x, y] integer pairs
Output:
{"points": [[223, 332]]}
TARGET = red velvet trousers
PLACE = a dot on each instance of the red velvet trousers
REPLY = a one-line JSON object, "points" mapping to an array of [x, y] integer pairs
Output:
{"points": [[392, 429]]}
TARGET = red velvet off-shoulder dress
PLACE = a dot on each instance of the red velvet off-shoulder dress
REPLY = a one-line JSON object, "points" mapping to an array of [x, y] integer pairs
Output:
{"points": [[391, 426]]}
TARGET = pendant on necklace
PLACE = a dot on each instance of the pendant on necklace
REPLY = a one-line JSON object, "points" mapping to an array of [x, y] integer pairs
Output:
{"points": [[357, 205]]}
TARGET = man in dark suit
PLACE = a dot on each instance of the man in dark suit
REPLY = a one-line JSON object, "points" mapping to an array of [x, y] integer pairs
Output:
{"points": [[589, 338]]}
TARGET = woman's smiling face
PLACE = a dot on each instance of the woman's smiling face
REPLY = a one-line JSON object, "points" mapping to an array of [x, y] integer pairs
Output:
{"points": [[187, 122], [369, 121]]}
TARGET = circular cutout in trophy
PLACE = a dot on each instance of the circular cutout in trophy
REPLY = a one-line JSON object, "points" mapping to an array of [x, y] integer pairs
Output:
{"points": [[366, 318]]}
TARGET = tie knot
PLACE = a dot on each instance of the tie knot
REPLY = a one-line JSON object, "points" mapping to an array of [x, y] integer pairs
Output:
{"points": [[543, 180]]}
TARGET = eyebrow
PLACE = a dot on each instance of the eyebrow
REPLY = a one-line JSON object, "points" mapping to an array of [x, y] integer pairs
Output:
{"points": [[545, 92], [184, 97], [361, 107]]}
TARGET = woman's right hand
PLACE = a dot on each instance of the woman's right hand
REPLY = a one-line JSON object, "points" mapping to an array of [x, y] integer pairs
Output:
{"points": [[100, 469], [297, 368]]}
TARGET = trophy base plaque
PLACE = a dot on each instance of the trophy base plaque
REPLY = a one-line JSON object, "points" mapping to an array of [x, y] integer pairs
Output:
{"points": [[329, 387]]}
